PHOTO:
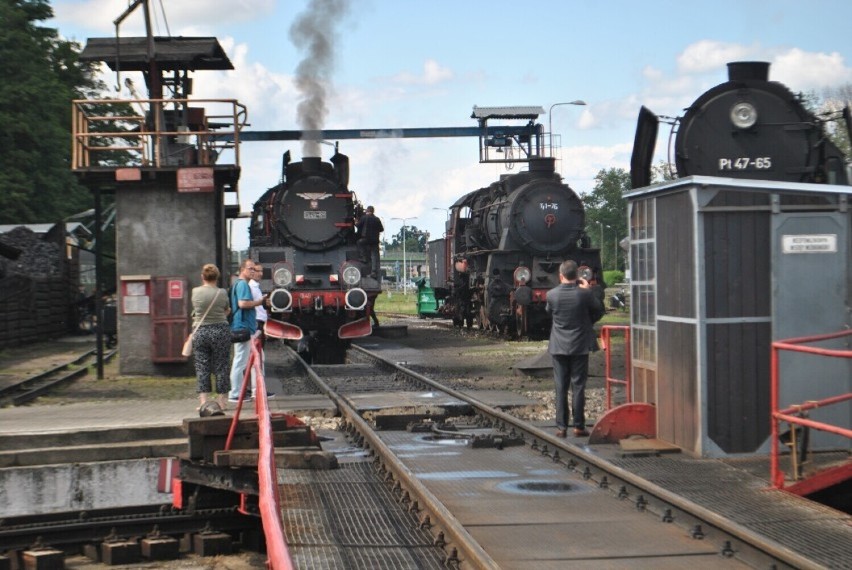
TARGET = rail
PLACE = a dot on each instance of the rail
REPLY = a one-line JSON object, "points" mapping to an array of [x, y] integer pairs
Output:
{"points": [[118, 133], [606, 338], [269, 499], [796, 415]]}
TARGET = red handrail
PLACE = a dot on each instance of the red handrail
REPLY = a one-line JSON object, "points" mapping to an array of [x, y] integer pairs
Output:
{"points": [[606, 336], [776, 476], [278, 554]]}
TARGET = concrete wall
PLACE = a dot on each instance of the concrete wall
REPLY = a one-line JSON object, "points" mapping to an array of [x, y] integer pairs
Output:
{"points": [[162, 233], [58, 488]]}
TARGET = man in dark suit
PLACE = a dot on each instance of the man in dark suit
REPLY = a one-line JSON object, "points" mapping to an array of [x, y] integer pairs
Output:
{"points": [[574, 308], [369, 227]]}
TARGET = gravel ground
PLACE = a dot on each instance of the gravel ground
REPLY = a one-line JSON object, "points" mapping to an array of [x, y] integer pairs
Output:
{"points": [[463, 359], [480, 361]]}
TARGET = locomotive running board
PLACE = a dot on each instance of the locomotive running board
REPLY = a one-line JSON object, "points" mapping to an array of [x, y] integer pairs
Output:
{"points": [[286, 331], [356, 329]]}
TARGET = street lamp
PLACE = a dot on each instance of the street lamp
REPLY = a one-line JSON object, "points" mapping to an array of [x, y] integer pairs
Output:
{"points": [[602, 236], [550, 118], [404, 274]]}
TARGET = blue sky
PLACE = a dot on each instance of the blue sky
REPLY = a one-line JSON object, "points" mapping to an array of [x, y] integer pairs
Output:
{"points": [[400, 64]]}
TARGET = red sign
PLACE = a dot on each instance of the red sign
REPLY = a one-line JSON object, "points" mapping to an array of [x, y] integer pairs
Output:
{"points": [[198, 179], [175, 289]]}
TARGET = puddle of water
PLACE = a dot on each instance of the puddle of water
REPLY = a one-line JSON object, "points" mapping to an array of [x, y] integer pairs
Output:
{"points": [[537, 487]]}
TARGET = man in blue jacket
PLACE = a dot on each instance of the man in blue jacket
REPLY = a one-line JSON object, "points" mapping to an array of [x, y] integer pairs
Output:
{"points": [[574, 308], [243, 308]]}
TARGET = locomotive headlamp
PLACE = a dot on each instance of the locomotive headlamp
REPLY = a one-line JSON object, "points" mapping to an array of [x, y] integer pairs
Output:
{"points": [[280, 300], [522, 274], [351, 275], [356, 299], [585, 272], [743, 115], [282, 276]]}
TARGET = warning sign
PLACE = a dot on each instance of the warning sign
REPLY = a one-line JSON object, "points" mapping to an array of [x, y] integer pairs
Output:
{"points": [[199, 179], [175, 289], [817, 243]]}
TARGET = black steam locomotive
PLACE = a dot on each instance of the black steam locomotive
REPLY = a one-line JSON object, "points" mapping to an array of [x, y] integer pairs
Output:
{"points": [[303, 232], [503, 248], [748, 127]]}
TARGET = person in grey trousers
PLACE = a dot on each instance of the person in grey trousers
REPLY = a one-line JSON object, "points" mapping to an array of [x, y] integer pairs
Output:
{"points": [[574, 308]]}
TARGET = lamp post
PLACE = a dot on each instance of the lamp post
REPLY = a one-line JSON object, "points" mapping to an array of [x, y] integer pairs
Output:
{"points": [[550, 118], [404, 273], [602, 225], [615, 249]]}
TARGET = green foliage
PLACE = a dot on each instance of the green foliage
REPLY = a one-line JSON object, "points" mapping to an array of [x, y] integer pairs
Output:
{"points": [[40, 77], [613, 277], [415, 240], [606, 214]]}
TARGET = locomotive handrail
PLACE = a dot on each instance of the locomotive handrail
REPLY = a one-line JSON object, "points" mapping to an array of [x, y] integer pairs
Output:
{"points": [[149, 139], [789, 414], [606, 338], [269, 499]]}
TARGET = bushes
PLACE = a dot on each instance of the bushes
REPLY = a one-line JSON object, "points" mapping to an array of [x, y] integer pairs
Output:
{"points": [[613, 277]]}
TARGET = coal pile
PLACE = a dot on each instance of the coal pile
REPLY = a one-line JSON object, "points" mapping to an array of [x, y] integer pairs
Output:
{"points": [[35, 257]]}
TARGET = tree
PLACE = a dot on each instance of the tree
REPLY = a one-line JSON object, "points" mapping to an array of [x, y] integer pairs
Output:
{"points": [[36, 183], [415, 240], [831, 105], [606, 215]]}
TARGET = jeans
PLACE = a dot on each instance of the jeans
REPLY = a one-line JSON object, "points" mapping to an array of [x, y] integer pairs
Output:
{"points": [[570, 371], [242, 351]]}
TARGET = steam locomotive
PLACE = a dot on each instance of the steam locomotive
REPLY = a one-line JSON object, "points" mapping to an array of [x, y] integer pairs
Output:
{"points": [[748, 127], [503, 248], [303, 232]]}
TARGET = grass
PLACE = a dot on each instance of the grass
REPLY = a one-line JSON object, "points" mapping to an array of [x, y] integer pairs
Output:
{"points": [[397, 303]]}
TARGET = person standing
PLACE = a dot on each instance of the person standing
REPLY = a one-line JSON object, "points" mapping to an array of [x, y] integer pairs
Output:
{"points": [[243, 307], [257, 295], [211, 342], [369, 227], [261, 316], [574, 308]]}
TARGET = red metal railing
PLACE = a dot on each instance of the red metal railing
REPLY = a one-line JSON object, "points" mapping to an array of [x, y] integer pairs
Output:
{"points": [[776, 476], [606, 338], [278, 555]]}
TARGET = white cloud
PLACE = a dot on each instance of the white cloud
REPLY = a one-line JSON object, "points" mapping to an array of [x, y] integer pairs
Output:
{"points": [[802, 71], [708, 56], [433, 74], [187, 17]]}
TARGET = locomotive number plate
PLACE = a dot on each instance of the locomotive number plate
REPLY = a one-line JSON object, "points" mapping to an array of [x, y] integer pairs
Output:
{"points": [[314, 214], [745, 163]]}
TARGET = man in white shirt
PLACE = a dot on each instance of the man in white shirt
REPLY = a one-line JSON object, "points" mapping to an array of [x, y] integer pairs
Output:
{"points": [[260, 313]]}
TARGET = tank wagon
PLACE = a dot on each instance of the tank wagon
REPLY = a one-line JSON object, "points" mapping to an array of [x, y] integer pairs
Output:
{"points": [[303, 232], [503, 248]]}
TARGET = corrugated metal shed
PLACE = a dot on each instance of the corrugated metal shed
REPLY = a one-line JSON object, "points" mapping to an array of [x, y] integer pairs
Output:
{"points": [[519, 112], [170, 53]]}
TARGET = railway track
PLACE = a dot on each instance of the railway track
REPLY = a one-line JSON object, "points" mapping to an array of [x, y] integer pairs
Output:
{"points": [[22, 389], [663, 526]]}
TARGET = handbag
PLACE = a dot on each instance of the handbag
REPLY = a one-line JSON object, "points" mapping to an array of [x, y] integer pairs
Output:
{"points": [[237, 335], [187, 344], [240, 335]]}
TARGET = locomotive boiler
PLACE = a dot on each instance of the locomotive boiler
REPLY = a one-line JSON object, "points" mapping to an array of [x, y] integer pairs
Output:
{"points": [[303, 232], [746, 128], [503, 248]]}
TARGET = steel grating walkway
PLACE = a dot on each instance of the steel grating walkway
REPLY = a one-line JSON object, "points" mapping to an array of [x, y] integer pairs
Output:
{"points": [[348, 518]]}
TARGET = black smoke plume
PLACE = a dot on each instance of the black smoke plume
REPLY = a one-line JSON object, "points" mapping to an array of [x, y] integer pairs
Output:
{"points": [[314, 33]]}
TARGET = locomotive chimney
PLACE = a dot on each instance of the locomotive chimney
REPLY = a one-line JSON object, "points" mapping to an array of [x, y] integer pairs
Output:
{"points": [[546, 165], [311, 163], [748, 70]]}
